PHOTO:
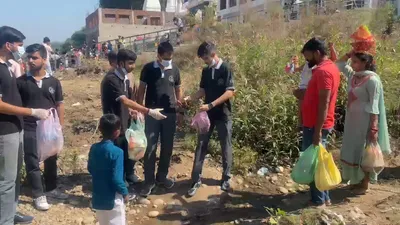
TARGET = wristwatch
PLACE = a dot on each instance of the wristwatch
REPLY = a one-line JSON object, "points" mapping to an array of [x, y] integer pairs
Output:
{"points": [[210, 106]]}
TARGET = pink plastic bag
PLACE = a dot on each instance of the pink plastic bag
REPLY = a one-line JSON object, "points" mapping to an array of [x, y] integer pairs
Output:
{"points": [[49, 136], [201, 122]]}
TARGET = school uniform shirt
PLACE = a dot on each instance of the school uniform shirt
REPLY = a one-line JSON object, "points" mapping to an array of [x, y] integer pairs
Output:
{"points": [[114, 86], [215, 81], [9, 124], [106, 165], [43, 94], [160, 86]]}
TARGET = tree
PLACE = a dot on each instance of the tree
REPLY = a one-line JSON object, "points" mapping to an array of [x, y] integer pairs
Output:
{"points": [[122, 4], [78, 38]]}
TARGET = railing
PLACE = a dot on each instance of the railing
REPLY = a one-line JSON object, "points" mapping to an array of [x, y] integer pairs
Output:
{"points": [[148, 42]]}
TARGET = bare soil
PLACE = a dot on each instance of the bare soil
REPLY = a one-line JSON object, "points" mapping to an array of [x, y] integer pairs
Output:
{"points": [[244, 205]]}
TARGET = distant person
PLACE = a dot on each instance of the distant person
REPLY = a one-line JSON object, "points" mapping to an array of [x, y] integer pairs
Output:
{"points": [[160, 82], [11, 130], [116, 98], [112, 60], [47, 44], [106, 165], [109, 46], [217, 89], [318, 106], [179, 23], [40, 90]]}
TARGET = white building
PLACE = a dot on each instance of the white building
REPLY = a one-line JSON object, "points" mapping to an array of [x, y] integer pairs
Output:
{"points": [[173, 6], [234, 10]]}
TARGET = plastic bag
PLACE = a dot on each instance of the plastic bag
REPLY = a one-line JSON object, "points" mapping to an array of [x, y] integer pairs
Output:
{"points": [[49, 136], [373, 159], [304, 170], [201, 122], [137, 141], [327, 175]]}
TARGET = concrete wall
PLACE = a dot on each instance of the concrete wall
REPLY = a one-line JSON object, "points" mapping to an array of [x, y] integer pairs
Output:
{"points": [[235, 9]]}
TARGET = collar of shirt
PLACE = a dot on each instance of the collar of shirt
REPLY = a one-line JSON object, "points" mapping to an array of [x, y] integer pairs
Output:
{"points": [[220, 61], [124, 78], [39, 83]]}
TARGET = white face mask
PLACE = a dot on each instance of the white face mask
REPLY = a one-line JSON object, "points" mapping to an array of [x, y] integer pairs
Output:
{"points": [[166, 63], [19, 53], [213, 62]]}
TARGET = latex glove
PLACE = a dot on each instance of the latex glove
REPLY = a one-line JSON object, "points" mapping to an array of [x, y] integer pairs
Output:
{"points": [[156, 114], [41, 114]]}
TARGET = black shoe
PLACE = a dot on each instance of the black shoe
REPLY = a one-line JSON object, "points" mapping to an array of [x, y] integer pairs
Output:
{"points": [[20, 218], [192, 191], [226, 186], [147, 189], [167, 183], [132, 179]]}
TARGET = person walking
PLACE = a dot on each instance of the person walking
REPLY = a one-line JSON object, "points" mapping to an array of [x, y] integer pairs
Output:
{"points": [[117, 98], [38, 89], [318, 106], [11, 129], [47, 45], [161, 81], [217, 87]]}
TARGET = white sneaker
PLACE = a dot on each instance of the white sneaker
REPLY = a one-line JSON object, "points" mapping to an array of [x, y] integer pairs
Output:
{"points": [[57, 194], [41, 203]]}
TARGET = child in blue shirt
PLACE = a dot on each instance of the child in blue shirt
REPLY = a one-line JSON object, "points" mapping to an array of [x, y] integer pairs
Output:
{"points": [[106, 165]]}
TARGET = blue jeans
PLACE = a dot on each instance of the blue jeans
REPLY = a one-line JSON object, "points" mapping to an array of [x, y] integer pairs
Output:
{"points": [[317, 197]]}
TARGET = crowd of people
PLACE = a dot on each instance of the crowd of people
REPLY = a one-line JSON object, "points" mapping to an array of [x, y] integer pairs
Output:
{"points": [[157, 101]]}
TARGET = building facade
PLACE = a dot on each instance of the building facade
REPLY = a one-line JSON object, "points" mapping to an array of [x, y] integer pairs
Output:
{"points": [[234, 10], [107, 24]]}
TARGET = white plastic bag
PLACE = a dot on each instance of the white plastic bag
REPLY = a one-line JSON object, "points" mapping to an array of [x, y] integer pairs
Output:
{"points": [[49, 136], [137, 141]]}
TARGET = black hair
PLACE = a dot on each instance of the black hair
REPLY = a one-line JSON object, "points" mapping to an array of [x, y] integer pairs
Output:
{"points": [[315, 44], [112, 57], [206, 49], [165, 47], [46, 40], [109, 123], [125, 55], [11, 35], [37, 48], [175, 19], [367, 59]]}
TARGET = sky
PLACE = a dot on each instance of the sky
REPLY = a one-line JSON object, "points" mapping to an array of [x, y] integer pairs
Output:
{"points": [[36, 19]]}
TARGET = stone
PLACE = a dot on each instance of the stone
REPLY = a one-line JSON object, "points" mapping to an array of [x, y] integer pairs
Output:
{"points": [[246, 186], [144, 201], [273, 178], [279, 169], [283, 190], [158, 202], [132, 212], [155, 206], [88, 221], [184, 213], [356, 213], [239, 181], [153, 214]]}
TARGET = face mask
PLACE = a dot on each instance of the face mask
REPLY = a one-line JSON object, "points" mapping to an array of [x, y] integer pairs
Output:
{"points": [[166, 63], [213, 62]]}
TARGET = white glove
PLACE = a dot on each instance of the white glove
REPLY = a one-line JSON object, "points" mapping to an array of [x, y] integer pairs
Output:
{"points": [[156, 114], [41, 114]]}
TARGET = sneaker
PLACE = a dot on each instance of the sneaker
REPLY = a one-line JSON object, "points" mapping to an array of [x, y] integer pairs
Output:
{"points": [[225, 186], [167, 183], [20, 218], [57, 194], [41, 203], [192, 191], [147, 189]]}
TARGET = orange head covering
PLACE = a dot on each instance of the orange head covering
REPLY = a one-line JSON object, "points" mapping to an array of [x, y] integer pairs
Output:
{"points": [[364, 41]]}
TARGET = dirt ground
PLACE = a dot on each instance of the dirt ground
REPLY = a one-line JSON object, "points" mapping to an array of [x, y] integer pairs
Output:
{"points": [[245, 205]]}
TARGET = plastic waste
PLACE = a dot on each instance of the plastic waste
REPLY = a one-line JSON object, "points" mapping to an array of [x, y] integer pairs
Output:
{"points": [[201, 122], [49, 136], [373, 159], [137, 141], [263, 171], [304, 170], [327, 175]]}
